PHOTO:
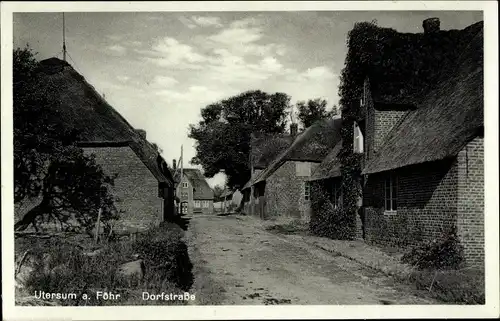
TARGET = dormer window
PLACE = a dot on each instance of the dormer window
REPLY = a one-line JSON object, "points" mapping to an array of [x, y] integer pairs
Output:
{"points": [[358, 143]]}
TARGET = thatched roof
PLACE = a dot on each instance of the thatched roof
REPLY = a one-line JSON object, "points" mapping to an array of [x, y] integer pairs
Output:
{"points": [[202, 191], [266, 146], [330, 166], [83, 109], [447, 117], [404, 67], [312, 145]]}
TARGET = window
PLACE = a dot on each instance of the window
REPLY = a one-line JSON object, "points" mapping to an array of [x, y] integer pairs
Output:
{"points": [[336, 195], [197, 204], [358, 139], [391, 193], [307, 191], [206, 204], [184, 184], [184, 195], [303, 169]]}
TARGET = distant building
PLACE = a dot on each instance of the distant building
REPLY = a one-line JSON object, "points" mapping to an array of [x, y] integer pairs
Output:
{"points": [[282, 189], [194, 193]]}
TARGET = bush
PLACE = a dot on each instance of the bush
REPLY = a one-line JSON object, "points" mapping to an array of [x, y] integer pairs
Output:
{"points": [[64, 268], [164, 251], [444, 252], [327, 221]]}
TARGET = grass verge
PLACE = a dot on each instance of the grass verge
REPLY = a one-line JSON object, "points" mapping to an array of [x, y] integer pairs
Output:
{"points": [[62, 267]]}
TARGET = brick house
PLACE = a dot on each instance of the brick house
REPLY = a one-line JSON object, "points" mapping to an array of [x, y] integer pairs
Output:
{"points": [[264, 148], [423, 166], [282, 189], [143, 188], [195, 195]]}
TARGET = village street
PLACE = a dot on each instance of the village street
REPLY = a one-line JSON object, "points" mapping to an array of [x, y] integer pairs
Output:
{"points": [[237, 261]]}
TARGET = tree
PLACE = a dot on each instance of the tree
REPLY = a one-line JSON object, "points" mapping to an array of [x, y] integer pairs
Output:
{"points": [[218, 190], [223, 135], [312, 111], [47, 164], [335, 110]]}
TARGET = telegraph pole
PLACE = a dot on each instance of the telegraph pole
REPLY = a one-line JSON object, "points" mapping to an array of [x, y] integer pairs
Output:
{"points": [[64, 38]]}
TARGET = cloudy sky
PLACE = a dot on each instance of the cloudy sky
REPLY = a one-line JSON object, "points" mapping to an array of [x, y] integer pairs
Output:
{"points": [[159, 69]]}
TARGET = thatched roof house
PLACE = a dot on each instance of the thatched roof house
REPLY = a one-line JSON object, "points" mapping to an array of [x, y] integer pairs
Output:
{"points": [[446, 117], [144, 185], [421, 115], [312, 145]]}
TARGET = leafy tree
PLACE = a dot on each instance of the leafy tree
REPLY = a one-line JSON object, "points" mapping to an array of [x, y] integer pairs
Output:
{"points": [[47, 164], [335, 110], [312, 111], [218, 190], [223, 135]]}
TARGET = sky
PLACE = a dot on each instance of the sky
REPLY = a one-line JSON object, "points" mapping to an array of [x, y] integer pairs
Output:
{"points": [[159, 69]]}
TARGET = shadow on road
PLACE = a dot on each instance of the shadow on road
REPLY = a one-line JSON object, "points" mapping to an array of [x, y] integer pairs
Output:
{"points": [[182, 221]]}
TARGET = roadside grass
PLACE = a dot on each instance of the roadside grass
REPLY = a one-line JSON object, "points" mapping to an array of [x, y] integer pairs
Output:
{"points": [[465, 286], [289, 227], [62, 267]]}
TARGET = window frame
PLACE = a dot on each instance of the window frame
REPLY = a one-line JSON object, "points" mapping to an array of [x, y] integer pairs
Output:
{"points": [[307, 191], [391, 194], [185, 185], [336, 195], [197, 204]]}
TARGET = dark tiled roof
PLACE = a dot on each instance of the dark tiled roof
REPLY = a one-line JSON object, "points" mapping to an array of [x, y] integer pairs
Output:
{"points": [[202, 191], [83, 109], [447, 117], [311, 145]]}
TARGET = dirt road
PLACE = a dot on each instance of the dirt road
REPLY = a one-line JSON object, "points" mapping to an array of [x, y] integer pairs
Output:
{"points": [[237, 261]]}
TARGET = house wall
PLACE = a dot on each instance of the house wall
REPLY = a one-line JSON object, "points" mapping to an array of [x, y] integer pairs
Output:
{"points": [[203, 210], [135, 189], [189, 190], [427, 204], [284, 191], [470, 220], [378, 123]]}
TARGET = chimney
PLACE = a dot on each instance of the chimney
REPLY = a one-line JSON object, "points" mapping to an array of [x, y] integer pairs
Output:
{"points": [[431, 25], [174, 164], [294, 127], [141, 133]]}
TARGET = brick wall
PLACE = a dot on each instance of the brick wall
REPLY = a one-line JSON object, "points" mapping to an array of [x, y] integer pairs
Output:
{"points": [[284, 192], [378, 123], [135, 189], [426, 204], [470, 219]]}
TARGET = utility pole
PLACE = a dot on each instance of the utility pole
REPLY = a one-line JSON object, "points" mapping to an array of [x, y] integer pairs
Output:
{"points": [[252, 210], [64, 38]]}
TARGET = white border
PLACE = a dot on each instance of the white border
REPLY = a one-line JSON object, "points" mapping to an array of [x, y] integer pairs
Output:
{"points": [[491, 309]]}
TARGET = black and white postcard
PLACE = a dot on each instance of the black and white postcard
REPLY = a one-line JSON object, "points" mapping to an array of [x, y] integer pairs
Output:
{"points": [[241, 160]]}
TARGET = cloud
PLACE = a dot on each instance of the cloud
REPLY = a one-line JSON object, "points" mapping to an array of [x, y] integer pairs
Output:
{"points": [[169, 52], [321, 72], [207, 21], [165, 81], [123, 78], [116, 50], [201, 21]]}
